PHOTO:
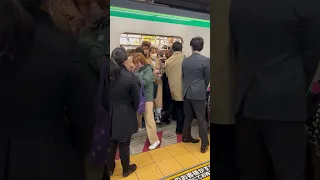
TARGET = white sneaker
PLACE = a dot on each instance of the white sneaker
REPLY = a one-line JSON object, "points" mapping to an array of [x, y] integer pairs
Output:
{"points": [[158, 120], [154, 145]]}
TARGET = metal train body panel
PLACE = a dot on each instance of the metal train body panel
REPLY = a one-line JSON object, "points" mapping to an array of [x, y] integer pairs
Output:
{"points": [[120, 25]]}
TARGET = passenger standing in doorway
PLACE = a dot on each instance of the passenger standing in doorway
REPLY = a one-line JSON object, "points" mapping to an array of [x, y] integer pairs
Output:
{"points": [[196, 76], [146, 48], [124, 105], [158, 69], [173, 67], [145, 75], [277, 53]]}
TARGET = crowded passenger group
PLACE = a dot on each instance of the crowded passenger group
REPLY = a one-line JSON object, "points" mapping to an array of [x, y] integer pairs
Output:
{"points": [[141, 83]]}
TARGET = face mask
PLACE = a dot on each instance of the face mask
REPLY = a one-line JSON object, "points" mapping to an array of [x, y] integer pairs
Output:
{"points": [[154, 56]]}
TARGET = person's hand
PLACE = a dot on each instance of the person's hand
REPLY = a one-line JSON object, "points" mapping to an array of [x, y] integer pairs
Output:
{"points": [[161, 65], [156, 71]]}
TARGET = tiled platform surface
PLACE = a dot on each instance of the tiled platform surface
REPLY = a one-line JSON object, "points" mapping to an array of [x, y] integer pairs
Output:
{"points": [[168, 137], [156, 164]]}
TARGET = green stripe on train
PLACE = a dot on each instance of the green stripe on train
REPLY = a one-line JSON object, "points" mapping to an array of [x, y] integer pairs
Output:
{"points": [[157, 17]]}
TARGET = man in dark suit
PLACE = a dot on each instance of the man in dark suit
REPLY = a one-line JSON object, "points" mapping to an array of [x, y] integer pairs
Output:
{"points": [[196, 76], [277, 50]]}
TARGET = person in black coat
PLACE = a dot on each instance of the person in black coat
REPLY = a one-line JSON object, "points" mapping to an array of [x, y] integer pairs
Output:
{"points": [[47, 92], [277, 52], [124, 104]]}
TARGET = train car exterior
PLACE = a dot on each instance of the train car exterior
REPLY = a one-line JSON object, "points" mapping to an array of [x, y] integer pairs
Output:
{"points": [[132, 21]]}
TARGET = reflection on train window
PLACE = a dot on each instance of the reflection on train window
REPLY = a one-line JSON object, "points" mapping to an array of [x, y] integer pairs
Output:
{"points": [[131, 40]]}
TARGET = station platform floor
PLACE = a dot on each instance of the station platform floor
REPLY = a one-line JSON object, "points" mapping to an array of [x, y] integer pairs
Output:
{"points": [[171, 157]]}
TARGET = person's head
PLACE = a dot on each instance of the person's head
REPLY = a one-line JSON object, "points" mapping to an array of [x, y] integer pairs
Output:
{"points": [[130, 65], [169, 53], [130, 52], [196, 44], [17, 27], [139, 60], [117, 60], [154, 53], [146, 48], [138, 50], [176, 46]]}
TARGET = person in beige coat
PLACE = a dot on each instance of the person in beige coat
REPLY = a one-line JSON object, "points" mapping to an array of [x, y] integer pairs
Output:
{"points": [[158, 68], [173, 68], [221, 81]]}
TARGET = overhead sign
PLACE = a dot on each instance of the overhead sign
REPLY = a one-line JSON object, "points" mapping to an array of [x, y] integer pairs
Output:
{"points": [[198, 172]]}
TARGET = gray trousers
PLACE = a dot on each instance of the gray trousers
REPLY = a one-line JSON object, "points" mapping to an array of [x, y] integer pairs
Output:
{"points": [[195, 108]]}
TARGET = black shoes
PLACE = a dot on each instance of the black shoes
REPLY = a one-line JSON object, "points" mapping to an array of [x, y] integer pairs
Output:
{"points": [[204, 149], [132, 168], [190, 140], [165, 122]]}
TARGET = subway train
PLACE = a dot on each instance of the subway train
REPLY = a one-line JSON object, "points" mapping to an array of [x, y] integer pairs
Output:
{"points": [[132, 22]]}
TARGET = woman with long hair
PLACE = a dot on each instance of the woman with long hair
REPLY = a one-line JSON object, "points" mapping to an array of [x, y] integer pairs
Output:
{"points": [[145, 75], [47, 92], [124, 102]]}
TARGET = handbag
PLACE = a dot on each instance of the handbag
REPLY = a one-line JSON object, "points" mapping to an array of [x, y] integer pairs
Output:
{"points": [[101, 135], [143, 100]]}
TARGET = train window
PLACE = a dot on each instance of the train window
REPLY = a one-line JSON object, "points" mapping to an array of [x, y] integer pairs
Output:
{"points": [[132, 40]]}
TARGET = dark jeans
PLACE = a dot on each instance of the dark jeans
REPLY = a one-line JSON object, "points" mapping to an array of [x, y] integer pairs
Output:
{"points": [[195, 108], [178, 107], [268, 149], [124, 149], [224, 159]]}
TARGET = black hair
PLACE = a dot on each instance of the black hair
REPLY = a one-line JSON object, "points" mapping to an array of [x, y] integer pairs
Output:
{"points": [[177, 46], [17, 27], [197, 43], [118, 57]]}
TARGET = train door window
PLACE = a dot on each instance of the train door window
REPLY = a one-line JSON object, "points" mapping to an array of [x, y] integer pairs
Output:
{"points": [[133, 40]]}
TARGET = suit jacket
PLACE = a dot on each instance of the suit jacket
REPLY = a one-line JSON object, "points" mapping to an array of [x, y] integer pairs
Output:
{"points": [[196, 76], [36, 142], [173, 67], [277, 46], [222, 66]]}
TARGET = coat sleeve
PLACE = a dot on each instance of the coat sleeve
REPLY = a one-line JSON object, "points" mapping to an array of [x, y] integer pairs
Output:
{"points": [[82, 85], [311, 38], [135, 93], [146, 77], [207, 72]]}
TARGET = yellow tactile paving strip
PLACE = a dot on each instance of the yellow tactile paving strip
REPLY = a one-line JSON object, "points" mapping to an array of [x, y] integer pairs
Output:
{"points": [[156, 164]]}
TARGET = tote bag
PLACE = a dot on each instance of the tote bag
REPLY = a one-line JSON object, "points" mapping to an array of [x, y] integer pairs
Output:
{"points": [[143, 99]]}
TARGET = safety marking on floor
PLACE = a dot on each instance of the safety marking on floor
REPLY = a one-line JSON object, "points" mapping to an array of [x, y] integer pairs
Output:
{"points": [[201, 171], [179, 138], [147, 143]]}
